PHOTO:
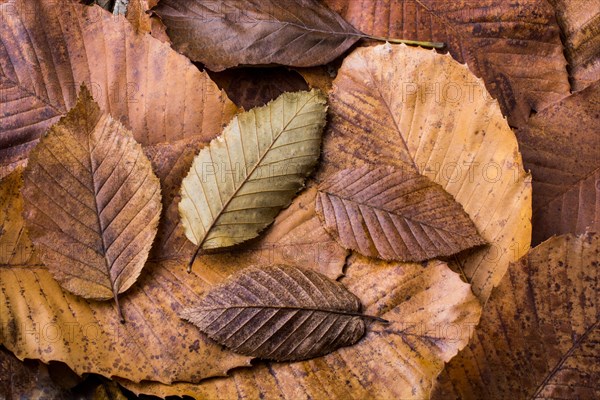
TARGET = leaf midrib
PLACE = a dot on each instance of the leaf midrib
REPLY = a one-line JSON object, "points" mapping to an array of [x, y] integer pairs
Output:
{"points": [[563, 359], [108, 264], [289, 308]]}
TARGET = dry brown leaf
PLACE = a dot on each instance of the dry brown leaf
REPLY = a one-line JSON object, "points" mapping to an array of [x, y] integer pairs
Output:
{"points": [[580, 24], [561, 147], [393, 214], [280, 313], [539, 336], [27, 381], [16, 248], [255, 87], [92, 202], [424, 112], [513, 45], [431, 313], [138, 14], [320, 77], [50, 50], [299, 33], [42, 321]]}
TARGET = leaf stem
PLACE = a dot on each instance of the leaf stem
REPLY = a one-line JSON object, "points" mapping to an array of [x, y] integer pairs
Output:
{"points": [[378, 319], [119, 311], [196, 254], [435, 45]]}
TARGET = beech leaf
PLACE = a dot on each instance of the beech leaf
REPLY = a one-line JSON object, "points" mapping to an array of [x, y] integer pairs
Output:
{"points": [[539, 335], [425, 113], [36, 311], [296, 32], [561, 147], [514, 45], [143, 83], [237, 184], [280, 313], [394, 214], [225, 34], [92, 202], [431, 314]]}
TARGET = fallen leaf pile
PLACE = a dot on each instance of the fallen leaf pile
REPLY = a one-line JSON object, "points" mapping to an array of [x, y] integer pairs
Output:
{"points": [[292, 199]]}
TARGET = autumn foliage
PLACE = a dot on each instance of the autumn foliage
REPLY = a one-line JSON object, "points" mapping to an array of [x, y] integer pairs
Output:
{"points": [[299, 199]]}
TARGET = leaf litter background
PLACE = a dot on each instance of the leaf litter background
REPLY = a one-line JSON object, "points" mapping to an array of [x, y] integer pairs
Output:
{"points": [[530, 55]]}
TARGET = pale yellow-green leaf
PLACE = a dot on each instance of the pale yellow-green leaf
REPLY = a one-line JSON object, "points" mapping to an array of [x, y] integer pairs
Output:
{"points": [[238, 184]]}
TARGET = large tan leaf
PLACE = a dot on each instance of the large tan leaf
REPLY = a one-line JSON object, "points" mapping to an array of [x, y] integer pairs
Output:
{"points": [[431, 313], [426, 113], [280, 313], [155, 344], [238, 184], [514, 45], [580, 23], [92, 202], [394, 214], [228, 33], [561, 147], [48, 50], [539, 336]]}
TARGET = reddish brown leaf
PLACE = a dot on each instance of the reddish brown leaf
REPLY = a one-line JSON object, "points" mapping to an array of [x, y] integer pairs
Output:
{"points": [[561, 147], [431, 312], [48, 50], [229, 33], [513, 45], [394, 214], [279, 313]]}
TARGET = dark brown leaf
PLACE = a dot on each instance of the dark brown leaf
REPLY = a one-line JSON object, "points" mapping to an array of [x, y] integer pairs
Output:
{"points": [[279, 313], [539, 335], [561, 147], [224, 34], [394, 214], [92, 202], [255, 87], [431, 314], [513, 45]]}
